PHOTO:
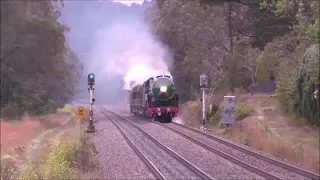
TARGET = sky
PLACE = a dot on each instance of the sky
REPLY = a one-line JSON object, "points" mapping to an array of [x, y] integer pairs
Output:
{"points": [[129, 2], [113, 41]]}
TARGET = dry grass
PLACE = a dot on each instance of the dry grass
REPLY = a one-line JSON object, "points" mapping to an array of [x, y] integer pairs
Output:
{"points": [[272, 131], [49, 148], [190, 113], [267, 128]]}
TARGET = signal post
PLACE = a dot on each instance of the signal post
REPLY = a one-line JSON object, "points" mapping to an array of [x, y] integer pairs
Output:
{"points": [[91, 82], [203, 86]]}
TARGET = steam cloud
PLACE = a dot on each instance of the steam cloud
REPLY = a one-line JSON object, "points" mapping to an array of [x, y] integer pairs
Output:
{"points": [[113, 42], [134, 53]]}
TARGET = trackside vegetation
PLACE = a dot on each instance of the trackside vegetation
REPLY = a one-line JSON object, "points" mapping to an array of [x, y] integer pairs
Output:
{"points": [[241, 44]]}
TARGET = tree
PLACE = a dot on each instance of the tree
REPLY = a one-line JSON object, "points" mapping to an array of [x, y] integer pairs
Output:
{"points": [[38, 69], [238, 43]]}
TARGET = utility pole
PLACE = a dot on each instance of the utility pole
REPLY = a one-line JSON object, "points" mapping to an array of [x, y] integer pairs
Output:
{"points": [[203, 86], [91, 81]]}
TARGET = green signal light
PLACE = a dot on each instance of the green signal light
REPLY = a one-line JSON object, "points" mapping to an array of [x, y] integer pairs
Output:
{"points": [[91, 76]]}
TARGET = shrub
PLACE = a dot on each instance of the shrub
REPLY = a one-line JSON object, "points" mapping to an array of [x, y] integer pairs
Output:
{"points": [[239, 91], [11, 110], [49, 107], [67, 108], [31, 174], [212, 113], [84, 155], [215, 118], [60, 162], [243, 110], [8, 168], [64, 160]]}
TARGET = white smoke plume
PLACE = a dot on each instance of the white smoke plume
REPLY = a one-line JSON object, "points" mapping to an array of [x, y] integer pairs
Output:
{"points": [[130, 50]]}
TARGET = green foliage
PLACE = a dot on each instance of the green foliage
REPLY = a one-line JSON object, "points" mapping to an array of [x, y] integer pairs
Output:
{"points": [[60, 162], [38, 69], [237, 75], [67, 108], [65, 160], [224, 39], [243, 110], [11, 110], [213, 116], [306, 105], [31, 174], [298, 120], [8, 168], [262, 73], [213, 111], [84, 154]]}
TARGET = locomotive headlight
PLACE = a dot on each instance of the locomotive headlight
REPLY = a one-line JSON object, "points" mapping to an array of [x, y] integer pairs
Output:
{"points": [[163, 88]]}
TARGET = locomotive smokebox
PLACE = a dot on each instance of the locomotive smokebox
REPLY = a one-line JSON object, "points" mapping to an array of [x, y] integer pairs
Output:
{"points": [[163, 89]]}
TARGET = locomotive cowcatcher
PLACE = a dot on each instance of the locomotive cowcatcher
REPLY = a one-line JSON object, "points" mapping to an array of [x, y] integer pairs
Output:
{"points": [[155, 98]]}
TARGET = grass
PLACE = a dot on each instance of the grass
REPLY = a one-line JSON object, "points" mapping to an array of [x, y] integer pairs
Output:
{"points": [[243, 110], [60, 152], [65, 160], [276, 135], [261, 137], [268, 109], [66, 109], [266, 127]]}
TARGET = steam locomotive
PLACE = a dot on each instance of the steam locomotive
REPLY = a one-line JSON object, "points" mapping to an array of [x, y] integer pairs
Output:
{"points": [[155, 98]]}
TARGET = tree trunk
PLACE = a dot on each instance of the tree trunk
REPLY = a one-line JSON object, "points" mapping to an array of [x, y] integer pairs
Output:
{"points": [[252, 78], [229, 17]]}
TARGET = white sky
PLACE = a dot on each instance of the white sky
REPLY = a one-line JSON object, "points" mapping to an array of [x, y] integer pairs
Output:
{"points": [[129, 2]]}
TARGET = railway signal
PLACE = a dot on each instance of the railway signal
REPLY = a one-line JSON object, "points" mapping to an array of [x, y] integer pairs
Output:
{"points": [[203, 86], [91, 79], [91, 82]]}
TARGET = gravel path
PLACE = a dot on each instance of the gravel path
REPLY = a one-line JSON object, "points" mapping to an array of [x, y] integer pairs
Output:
{"points": [[210, 163], [167, 165], [275, 170], [116, 157]]}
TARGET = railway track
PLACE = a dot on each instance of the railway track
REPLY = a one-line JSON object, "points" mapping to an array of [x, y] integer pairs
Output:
{"points": [[153, 169], [275, 162], [174, 127]]}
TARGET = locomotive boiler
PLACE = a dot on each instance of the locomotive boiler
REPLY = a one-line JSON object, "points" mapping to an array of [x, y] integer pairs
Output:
{"points": [[155, 98]]}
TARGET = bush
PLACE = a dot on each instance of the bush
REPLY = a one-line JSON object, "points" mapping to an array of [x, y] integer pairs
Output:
{"points": [[8, 168], [64, 160], [215, 118], [67, 108], [31, 174], [84, 155], [60, 162], [11, 110], [49, 107], [243, 110], [239, 91], [213, 111]]}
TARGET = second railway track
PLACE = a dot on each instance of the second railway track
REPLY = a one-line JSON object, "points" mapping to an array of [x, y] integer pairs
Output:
{"points": [[168, 172], [176, 127], [255, 162]]}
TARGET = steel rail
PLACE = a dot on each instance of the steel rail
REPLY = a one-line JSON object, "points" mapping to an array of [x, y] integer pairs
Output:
{"points": [[182, 160], [157, 174], [283, 165], [237, 161]]}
